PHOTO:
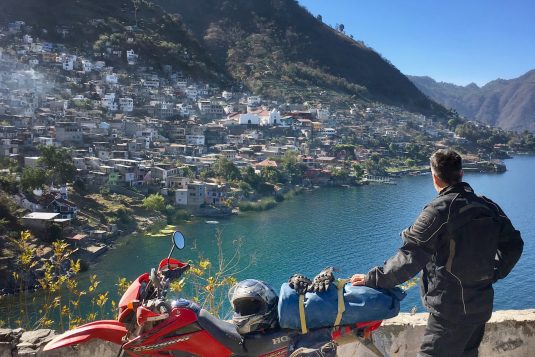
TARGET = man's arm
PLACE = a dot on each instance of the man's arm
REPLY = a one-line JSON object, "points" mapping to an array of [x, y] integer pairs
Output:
{"points": [[420, 242], [510, 248]]}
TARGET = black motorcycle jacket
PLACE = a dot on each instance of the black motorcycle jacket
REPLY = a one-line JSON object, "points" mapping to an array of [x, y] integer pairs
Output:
{"points": [[462, 243]]}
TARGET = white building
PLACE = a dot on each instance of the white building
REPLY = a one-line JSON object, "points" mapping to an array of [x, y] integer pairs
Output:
{"points": [[227, 95], [181, 84], [42, 140], [126, 104], [151, 83], [112, 78], [131, 57], [329, 131], [274, 118], [192, 92], [27, 39], [195, 140], [322, 114], [68, 64], [36, 47], [254, 101], [99, 65], [252, 119], [181, 197], [109, 102], [183, 109], [87, 66]]}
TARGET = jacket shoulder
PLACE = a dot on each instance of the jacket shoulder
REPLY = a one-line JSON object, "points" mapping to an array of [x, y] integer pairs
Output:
{"points": [[493, 206], [442, 203]]}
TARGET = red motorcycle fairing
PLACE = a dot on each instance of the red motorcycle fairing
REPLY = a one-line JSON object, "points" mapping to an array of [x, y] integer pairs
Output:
{"points": [[171, 264], [179, 332], [107, 330], [131, 294]]}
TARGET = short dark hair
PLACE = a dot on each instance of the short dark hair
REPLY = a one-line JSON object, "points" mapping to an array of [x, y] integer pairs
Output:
{"points": [[447, 165]]}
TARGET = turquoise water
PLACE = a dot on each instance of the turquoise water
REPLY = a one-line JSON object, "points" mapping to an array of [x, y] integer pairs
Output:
{"points": [[350, 228]]}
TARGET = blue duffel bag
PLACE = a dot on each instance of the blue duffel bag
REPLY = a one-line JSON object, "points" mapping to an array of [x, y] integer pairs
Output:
{"points": [[360, 304]]}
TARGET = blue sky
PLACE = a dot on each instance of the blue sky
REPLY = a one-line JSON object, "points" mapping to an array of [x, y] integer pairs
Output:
{"points": [[457, 41]]}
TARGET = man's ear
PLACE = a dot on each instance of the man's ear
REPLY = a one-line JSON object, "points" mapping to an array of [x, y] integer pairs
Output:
{"points": [[436, 180]]}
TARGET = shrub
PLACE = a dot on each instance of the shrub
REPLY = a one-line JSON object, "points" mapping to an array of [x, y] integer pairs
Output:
{"points": [[262, 205], [154, 202]]}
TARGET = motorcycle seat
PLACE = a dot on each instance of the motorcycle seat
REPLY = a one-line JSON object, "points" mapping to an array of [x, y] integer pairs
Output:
{"points": [[222, 331]]}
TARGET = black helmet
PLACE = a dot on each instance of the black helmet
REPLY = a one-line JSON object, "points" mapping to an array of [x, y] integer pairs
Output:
{"points": [[255, 306]]}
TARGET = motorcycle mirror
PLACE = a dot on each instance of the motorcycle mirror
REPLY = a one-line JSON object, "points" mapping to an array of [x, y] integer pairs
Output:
{"points": [[178, 240]]}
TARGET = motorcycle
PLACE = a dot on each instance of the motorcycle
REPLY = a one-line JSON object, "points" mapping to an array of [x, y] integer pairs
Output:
{"points": [[149, 325]]}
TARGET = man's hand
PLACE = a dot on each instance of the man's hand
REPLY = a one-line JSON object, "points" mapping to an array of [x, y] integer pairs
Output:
{"points": [[358, 279]]}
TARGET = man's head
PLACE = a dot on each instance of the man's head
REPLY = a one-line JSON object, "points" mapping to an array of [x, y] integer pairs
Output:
{"points": [[447, 168]]}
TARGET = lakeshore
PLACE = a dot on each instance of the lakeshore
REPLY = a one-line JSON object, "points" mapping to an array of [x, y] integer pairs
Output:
{"points": [[352, 229]]}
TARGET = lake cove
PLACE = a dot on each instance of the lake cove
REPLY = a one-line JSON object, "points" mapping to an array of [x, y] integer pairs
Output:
{"points": [[352, 229]]}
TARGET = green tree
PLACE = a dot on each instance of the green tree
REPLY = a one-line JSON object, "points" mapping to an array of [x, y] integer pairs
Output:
{"points": [[453, 122], [33, 178], [154, 202], [206, 173], [58, 162], [224, 168], [359, 171], [187, 172], [249, 176], [292, 166], [271, 174], [376, 165], [340, 175], [347, 149]]}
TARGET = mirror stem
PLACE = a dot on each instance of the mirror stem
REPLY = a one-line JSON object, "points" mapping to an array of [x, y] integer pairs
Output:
{"points": [[169, 257]]}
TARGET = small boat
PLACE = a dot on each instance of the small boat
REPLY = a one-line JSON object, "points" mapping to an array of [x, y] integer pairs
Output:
{"points": [[211, 222]]}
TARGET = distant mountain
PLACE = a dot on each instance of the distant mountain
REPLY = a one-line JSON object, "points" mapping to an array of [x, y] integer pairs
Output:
{"points": [[273, 47], [508, 104]]}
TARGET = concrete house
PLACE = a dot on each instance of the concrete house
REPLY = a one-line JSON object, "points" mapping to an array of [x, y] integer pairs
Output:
{"points": [[68, 132], [196, 194], [177, 182], [216, 195], [126, 104]]}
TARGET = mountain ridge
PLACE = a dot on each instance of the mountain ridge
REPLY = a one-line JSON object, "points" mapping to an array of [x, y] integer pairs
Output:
{"points": [[306, 50], [506, 103]]}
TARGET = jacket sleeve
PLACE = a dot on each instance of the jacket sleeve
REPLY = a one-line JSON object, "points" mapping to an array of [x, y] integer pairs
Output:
{"points": [[420, 241], [510, 247]]}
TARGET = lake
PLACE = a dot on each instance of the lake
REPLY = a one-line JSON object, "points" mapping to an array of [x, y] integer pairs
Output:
{"points": [[352, 229]]}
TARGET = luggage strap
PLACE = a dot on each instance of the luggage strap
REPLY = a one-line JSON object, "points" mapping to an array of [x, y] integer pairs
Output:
{"points": [[302, 314], [340, 283]]}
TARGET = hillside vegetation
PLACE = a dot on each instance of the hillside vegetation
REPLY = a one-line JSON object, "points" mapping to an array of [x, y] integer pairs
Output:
{"points": [[270, 47], [92, 26], [277, 47]]}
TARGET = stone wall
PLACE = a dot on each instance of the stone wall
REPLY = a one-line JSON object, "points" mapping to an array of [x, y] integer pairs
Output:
{"points": [[508, 334]]}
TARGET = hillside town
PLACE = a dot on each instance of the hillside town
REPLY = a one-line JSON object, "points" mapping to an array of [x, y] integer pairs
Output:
{"points": [[132, 131]]}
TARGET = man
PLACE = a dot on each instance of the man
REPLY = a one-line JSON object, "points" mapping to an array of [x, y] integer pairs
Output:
{"points": [[462, 243]]}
